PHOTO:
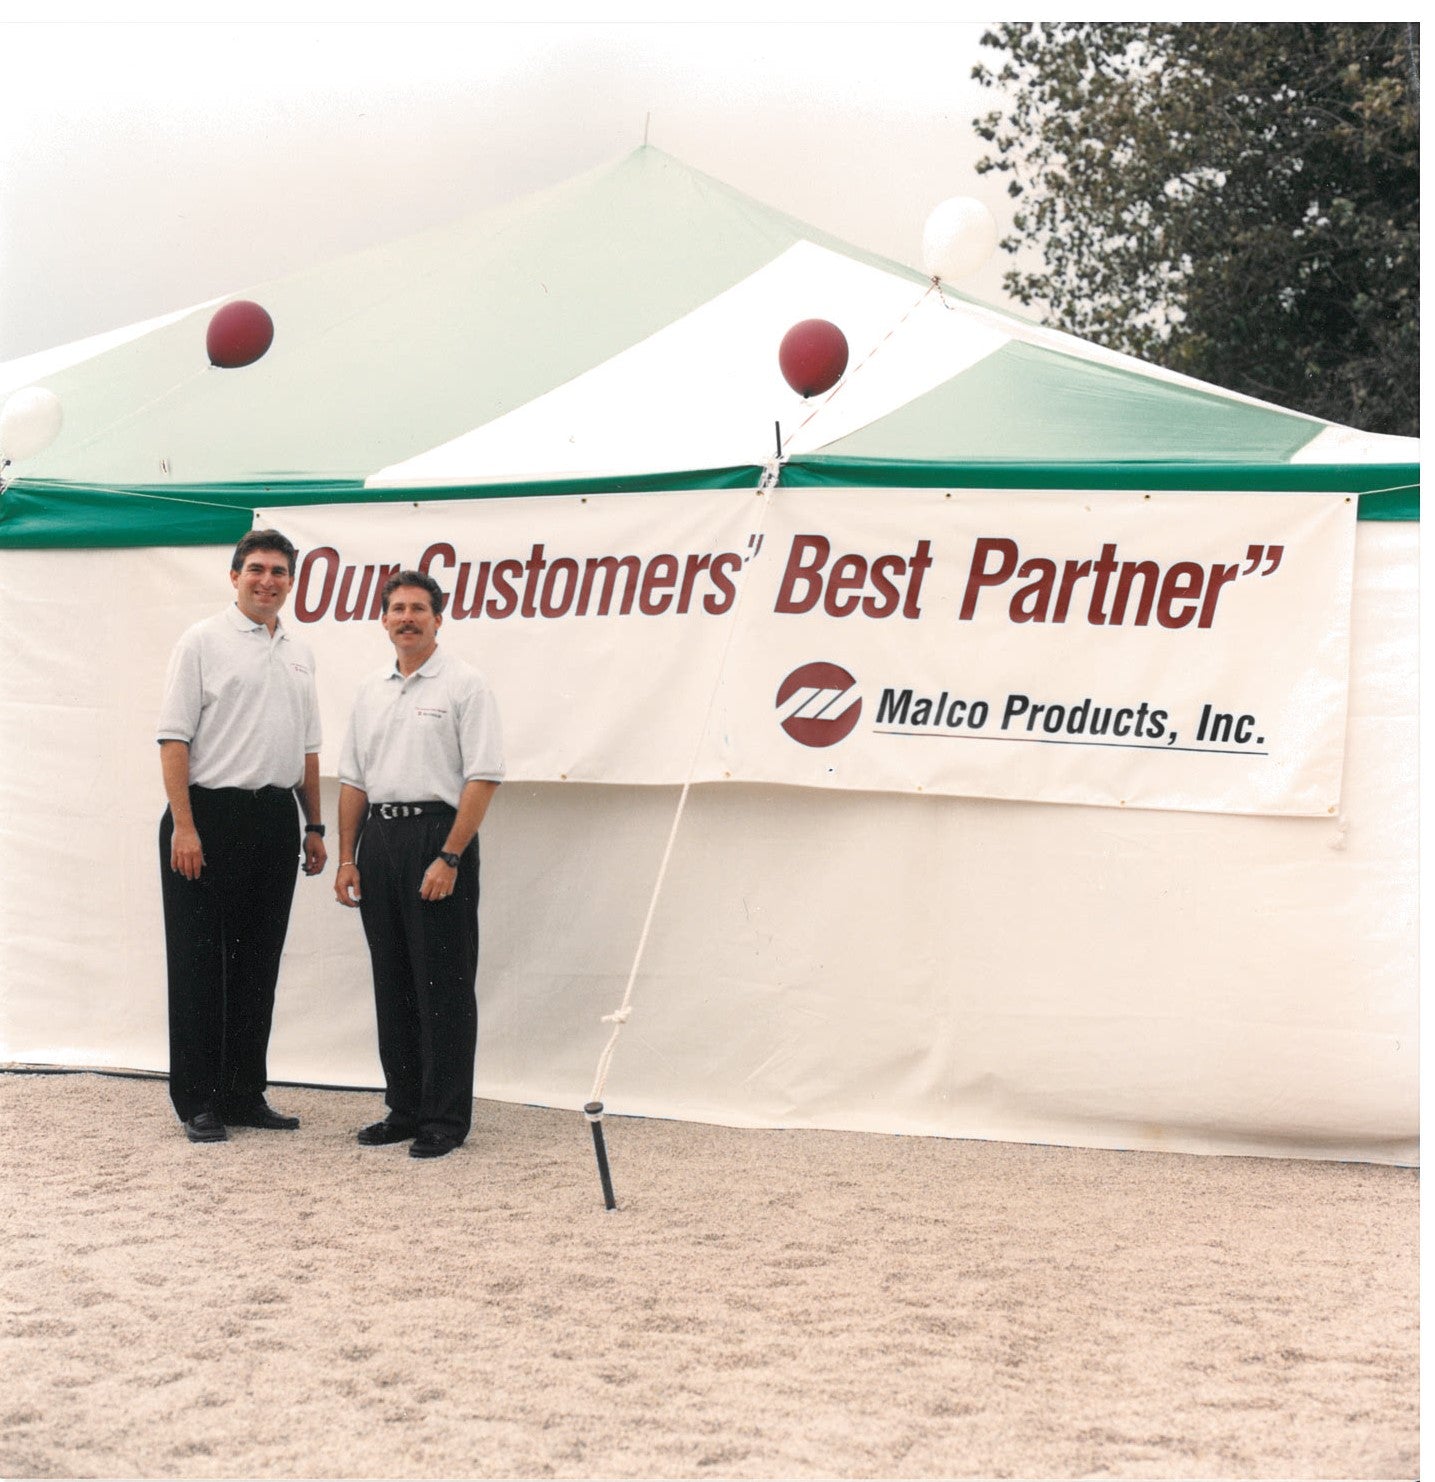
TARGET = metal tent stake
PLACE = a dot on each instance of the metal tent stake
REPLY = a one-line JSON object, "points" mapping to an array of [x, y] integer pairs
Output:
{"points": [[593, 1110]]}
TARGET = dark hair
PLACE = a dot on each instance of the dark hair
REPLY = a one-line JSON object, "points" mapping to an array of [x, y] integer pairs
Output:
{"points": [[413, 579], [263, 540]]}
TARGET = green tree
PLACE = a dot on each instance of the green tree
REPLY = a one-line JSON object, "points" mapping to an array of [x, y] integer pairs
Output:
{"points": [[1237, 202]]}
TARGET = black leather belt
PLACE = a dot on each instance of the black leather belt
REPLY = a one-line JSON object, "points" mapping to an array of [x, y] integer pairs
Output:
{"points": [[270, 790], [406, 810]]}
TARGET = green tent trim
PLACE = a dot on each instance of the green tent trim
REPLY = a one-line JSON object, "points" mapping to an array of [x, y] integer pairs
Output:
{"points": [[1388, 491], [55, 514]]}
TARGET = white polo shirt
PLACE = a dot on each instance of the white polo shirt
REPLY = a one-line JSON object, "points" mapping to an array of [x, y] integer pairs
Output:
{"points": [[245, 702], [418, 740]]}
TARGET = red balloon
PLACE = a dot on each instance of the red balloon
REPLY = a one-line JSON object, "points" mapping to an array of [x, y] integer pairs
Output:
{"points": [[239, 334], [813, 356]]}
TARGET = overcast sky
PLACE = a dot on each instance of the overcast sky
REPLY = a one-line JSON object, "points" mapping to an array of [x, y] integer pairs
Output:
{"points": [[145, 167]]}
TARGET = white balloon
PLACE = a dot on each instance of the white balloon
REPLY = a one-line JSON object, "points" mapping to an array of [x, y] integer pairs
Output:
{"points": [[29, 423], [960, 235]]}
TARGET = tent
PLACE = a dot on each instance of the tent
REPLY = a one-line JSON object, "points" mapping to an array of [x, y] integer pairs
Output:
{"points": [[851, 951]]}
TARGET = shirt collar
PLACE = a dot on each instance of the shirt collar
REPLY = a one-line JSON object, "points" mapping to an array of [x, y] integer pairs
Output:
{"points": [[248, 625], [431, 667]]}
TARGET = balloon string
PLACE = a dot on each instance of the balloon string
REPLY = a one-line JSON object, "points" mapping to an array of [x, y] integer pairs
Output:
{"points": [[139, 411], [127, 491], [866, 359], [1392, 489]]}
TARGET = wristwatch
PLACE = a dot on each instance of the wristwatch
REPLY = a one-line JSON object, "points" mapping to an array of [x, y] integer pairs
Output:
{"points": [[451, 860], [314, 828]]}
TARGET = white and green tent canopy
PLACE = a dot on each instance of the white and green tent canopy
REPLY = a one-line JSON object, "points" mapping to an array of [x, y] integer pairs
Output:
{"points": [[620, 332], [964, 966]]}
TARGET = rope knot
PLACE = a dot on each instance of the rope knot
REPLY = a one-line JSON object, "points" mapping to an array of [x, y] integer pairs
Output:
{"points": [[618, 1016]]}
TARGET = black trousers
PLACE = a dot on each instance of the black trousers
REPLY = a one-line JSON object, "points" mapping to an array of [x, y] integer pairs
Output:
{"points": [[224, 935], [425, 961]]}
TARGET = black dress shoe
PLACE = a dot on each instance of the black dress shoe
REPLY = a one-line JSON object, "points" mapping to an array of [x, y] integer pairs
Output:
{"points": [[260, 1114], [380, 1134], [433, 1145], [205, 1127]]}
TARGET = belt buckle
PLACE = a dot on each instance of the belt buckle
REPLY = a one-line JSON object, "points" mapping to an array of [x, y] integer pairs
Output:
{"points": [[397, 810]]}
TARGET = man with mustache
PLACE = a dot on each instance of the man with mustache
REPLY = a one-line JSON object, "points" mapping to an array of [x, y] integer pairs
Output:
{"points": [[421, 763], [238, 741]]}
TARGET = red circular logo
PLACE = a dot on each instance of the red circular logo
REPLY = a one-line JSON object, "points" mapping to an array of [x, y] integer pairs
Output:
{"points": [[812, 704]]}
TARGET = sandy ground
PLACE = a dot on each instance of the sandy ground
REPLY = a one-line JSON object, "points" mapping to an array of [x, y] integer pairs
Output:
{"points": [[762, 1303]]}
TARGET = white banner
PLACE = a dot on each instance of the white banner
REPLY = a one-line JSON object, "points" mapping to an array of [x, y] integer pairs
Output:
{"points": [[1184, 651]]}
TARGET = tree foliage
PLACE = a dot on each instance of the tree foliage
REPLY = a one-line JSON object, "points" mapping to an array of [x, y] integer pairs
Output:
{"points": [[1237, 202]]}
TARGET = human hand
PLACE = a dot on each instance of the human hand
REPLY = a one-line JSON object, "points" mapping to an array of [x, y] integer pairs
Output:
{"points": [[186, 855], [438, 881], [315, 855], [346, 884]]}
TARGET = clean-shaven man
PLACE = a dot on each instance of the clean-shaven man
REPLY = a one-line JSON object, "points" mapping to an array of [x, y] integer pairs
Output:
{"points": [[239, 742]]}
